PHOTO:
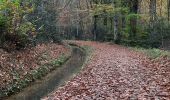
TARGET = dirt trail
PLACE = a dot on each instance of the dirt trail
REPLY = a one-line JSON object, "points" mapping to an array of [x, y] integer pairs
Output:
{"points": [[116, 73]]}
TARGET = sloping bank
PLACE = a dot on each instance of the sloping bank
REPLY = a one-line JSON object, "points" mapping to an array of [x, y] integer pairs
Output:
{"points": [[56, 78]]}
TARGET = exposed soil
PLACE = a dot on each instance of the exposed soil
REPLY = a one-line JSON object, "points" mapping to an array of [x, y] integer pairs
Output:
{"points": [[117, 73], [17, 64]]}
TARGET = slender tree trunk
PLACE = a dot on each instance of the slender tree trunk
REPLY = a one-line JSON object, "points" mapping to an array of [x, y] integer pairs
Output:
{"points": [[168, 4], [153, 17], [77, 13], [161, 8], [111, 22], [95, 23], [95, 27], [116, 28], [152, 10], [133, 21], [116, 21]]}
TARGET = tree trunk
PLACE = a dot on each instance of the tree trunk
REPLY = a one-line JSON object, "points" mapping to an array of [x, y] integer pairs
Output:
{"points": [[168, 4], [133, 21], [95, 27], [116, 28], [116, 22], [95, 23], [153, 17], [152, 10]]}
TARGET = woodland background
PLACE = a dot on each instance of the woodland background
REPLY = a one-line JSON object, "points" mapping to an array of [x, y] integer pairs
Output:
{"points": [[131, 22]]}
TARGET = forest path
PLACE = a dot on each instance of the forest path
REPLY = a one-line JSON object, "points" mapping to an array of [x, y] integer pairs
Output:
{"points": [[115, 73]]}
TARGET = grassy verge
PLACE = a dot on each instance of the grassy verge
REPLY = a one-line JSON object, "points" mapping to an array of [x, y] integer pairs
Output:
{"points": [[88, 50], [153, 53]]}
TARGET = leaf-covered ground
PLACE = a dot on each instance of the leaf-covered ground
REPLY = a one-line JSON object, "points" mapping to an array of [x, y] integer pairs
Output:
{"points": [[17, 64], [117, 73]]}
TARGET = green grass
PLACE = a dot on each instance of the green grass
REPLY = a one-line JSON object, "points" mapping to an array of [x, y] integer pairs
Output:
{"points": [[153, 52], [88, 50]]}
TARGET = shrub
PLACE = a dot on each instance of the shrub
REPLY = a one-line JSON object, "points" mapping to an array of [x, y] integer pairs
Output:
{"points": [[15, 29], [3, 27], [3, 24], [159, 31]]}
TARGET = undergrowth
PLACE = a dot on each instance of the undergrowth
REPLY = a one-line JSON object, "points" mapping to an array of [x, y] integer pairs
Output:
{"points": [[20, 84], [88, 51], [153, 52]]}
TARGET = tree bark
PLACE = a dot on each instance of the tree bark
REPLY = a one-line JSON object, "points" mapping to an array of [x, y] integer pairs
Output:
{"points": [[116, 28], [152, 10], [95, 27], [153, 17], [168, 4], [133, 21], [116, 22]]}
